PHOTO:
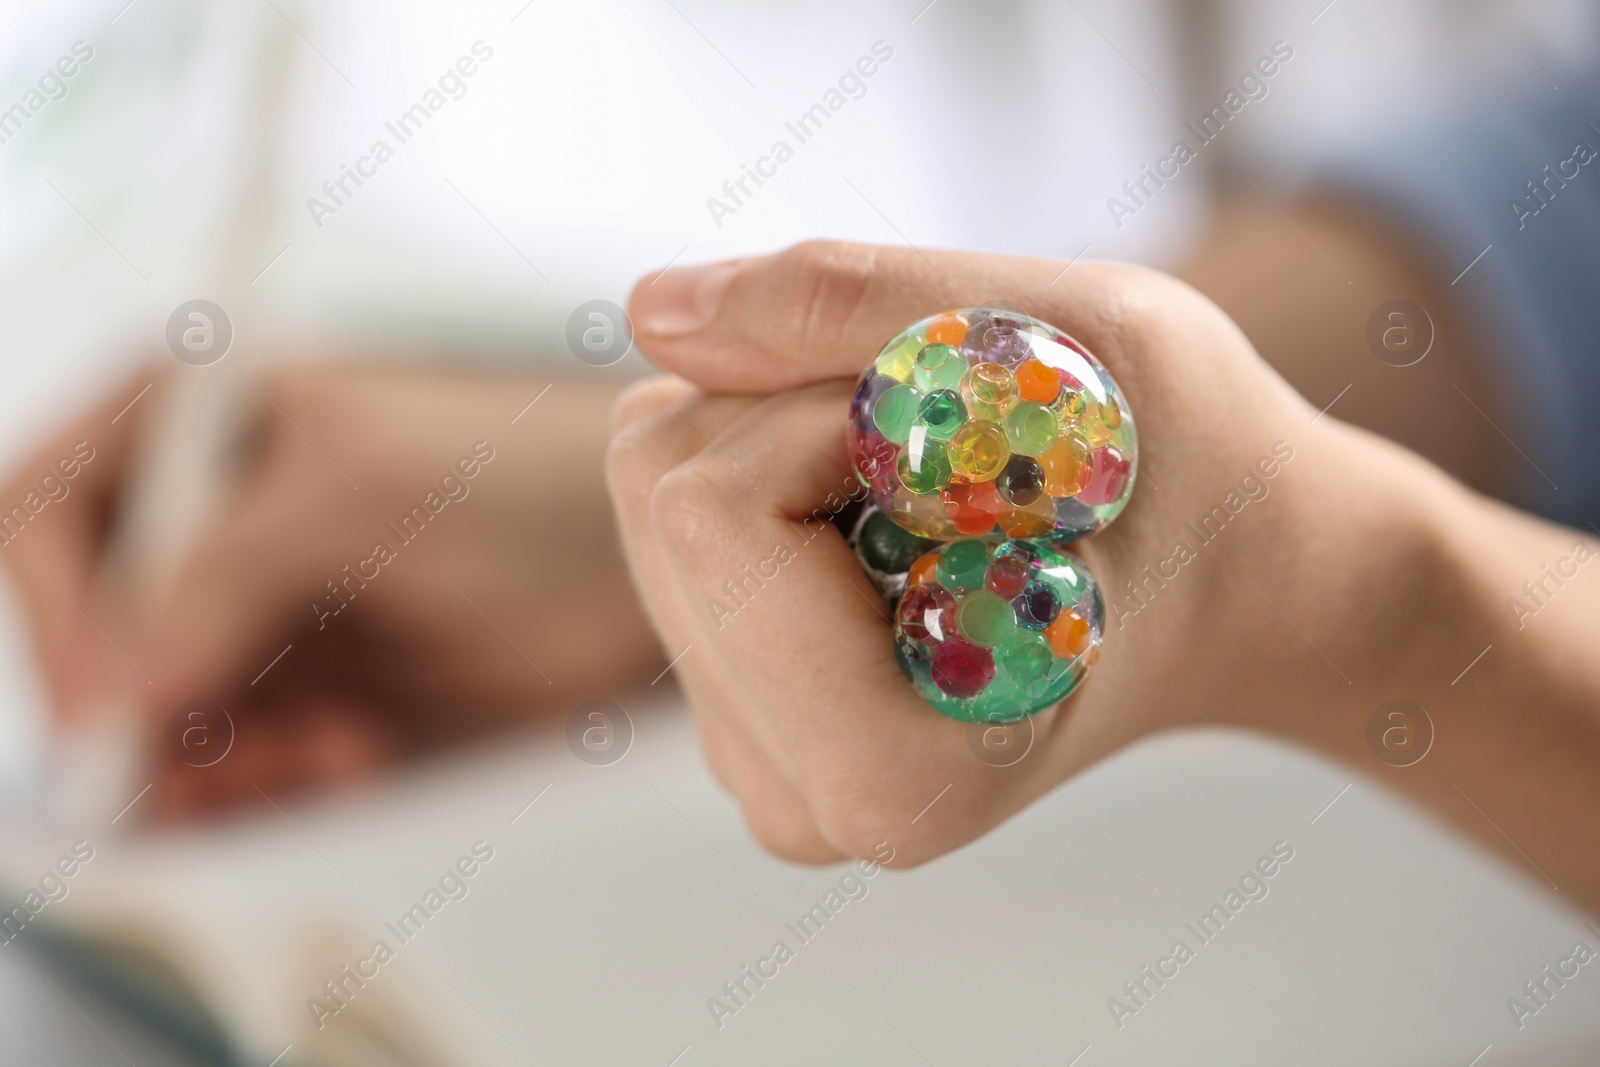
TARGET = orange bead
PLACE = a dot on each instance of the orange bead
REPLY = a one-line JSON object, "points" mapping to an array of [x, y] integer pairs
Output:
{"points": [[973, 506], [1037, 382], [1067, 466], [921, 572], [1068, 635], [947, 329]]}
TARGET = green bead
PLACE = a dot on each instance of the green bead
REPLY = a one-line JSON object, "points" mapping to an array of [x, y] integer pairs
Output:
{"points": [[886, 547], [924, 466], [1001, 702], [1064, 580], [1025, 658], [894, 411], [913, 665], [1031, 429], [938, 367], [985, 619], [1058, 684], [962, 565], [942, 413]]}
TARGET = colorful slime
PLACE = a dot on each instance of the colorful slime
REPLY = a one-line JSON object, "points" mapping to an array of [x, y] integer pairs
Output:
{"points": [[1004, 438]]}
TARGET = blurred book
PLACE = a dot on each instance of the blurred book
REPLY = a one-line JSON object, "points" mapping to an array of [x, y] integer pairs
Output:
{"points": [[621, 901]]}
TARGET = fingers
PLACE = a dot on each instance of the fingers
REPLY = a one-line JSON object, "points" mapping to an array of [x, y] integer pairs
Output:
{"points": [[790, 667], [296, 536], [52, 526], [661, 423], [312, 741], [787, 610], [253, 574], [822, 309]]}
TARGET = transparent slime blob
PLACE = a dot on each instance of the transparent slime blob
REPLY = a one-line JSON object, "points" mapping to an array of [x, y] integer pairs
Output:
{"points": [[998, 439]]}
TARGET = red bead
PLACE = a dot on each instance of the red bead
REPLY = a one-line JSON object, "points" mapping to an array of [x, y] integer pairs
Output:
{"points": [[874, 457], [1007, 576], [927, 614], [1109, 478], [961, 669]]}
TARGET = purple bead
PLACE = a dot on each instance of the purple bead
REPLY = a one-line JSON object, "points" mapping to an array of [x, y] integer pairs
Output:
{"points": [[1036, 606], [996, 339], [1022, 482], [868, 390], [1074, 519]]}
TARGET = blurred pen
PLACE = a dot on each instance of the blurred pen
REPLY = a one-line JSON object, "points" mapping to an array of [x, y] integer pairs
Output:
{"points": [[182, 463]]}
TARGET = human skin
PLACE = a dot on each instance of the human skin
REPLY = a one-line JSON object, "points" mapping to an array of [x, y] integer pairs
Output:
{"points": [[1302, 285], [1367, 574], [512, 603]]}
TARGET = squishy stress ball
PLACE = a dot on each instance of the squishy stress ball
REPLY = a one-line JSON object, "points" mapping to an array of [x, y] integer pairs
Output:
{"points": [[988, 440]]}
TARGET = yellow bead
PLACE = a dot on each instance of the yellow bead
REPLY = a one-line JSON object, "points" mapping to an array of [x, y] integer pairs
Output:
{"points": [[979, 451], [1093, 425], [898, 358], [1071, 407], [924, 516]]}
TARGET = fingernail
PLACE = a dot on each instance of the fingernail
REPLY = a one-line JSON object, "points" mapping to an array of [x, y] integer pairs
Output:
{"points": [[683, 299]]}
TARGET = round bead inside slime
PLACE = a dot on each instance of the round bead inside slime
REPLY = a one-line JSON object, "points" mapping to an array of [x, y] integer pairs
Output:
{"points": [[1031, 428], [979, 451], [894, 411], [942, 413], [937, 367], [923, 468]]}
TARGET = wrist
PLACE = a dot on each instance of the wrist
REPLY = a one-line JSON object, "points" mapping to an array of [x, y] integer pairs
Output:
{"points": [[1369, 586], [1420, 588]]}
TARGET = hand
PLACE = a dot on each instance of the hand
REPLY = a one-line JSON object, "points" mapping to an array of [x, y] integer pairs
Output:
{"points": [[509, 602], [1335, 553]]}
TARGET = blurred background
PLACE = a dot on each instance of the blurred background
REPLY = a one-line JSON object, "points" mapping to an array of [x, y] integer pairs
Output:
{"points": [[593, 144]]}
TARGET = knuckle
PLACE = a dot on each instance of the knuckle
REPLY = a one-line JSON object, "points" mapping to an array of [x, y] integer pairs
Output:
{"points": [[1137, 313], [787, 833], [688, 510], [638, 400], [632, 463], [831, 281], [854, 821], [1145, 302]]}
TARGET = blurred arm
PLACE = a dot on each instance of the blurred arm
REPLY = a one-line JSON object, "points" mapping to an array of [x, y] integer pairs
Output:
{"points": [[1303, 286]]}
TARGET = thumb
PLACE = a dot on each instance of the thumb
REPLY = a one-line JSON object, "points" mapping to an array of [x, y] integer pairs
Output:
{"points": [[822, 309]]}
